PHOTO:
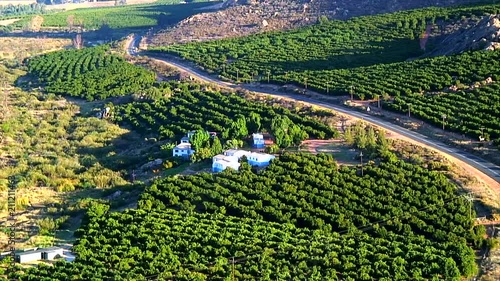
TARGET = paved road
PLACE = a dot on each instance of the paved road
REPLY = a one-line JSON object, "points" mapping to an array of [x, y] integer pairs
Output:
{"points": [[489, 169], [132, 45]]}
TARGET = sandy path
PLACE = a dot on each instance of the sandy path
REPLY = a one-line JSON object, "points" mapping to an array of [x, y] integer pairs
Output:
{"points": [[8, 22]]}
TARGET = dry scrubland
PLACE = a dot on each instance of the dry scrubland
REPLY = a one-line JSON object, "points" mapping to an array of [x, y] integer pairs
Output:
{"points": [[53, 149], [15, 48], [50, 162]]}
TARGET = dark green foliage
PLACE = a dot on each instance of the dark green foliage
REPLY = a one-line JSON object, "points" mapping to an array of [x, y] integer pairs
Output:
{"points": [[296, 190], [302, 218], [403, 78], [376, 55], [191, 109], [90, 73], [204, 145], [358, 42], [466, 111], [286, 132]]}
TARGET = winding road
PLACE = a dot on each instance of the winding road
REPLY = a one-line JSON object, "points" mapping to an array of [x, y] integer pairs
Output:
{"points": [[488, 170]]}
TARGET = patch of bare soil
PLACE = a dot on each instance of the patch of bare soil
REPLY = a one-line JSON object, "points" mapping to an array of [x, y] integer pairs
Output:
{"points": [[313, 145], [163, 72], [238, 20]]}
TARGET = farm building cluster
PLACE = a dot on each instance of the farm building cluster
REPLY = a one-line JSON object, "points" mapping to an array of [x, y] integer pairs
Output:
{"points": [[184, 149], [230, 158]]}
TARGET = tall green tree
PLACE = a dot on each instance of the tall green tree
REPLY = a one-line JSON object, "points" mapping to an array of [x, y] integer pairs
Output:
{"points": [[200, 139], [382, 140], [254, 122], [297, 135], [348, 136], [371, 138], [280, 125], [238, 128], [216, 146], [360, 136]]}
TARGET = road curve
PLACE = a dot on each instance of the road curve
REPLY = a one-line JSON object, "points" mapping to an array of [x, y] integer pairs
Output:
{"points": [[488, 169]]}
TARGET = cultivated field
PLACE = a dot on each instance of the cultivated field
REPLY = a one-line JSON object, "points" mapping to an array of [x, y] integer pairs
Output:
{"points": [[73, 6], [16, 2]]}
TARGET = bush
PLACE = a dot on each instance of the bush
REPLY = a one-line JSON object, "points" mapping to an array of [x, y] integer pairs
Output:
{"points": [[170, 164], [47, 225], [272, 148], [492, 243], [65, 185]]}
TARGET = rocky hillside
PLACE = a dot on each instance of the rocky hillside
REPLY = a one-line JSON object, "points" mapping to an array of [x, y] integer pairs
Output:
{"points": [[244, 17], [237, 20], [482, 34]]}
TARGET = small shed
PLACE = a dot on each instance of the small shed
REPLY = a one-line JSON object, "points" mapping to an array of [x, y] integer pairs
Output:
{"points": [[52, 253], [258, 140], [4, 255], [183, 150], [28, 256]]}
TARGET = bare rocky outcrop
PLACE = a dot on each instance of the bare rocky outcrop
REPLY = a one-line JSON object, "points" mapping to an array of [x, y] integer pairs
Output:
{"points": [[483, 35], [239, 19], [151, 165], [245, 17]]}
